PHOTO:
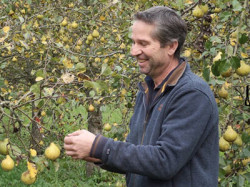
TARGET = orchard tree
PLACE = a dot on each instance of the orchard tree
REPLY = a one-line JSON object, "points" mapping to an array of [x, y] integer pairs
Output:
{"points": [[64, 64]]}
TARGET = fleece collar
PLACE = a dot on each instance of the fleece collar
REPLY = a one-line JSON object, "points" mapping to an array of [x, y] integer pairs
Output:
{"points": [[171, 81]]}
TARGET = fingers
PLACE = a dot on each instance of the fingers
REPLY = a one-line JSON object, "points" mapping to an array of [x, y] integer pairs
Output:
{"points": [[68, 140], [76, 133]]}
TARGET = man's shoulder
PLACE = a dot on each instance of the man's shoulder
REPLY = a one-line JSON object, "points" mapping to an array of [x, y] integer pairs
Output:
{"points": [[191, 81]]}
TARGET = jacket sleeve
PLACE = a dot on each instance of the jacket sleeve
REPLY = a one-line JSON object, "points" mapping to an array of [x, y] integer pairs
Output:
{"points": [[184, 129]]}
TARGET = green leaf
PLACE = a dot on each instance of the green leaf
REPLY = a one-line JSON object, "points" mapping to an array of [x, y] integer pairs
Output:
{"points": [[218, 67], [208, 45], [240, 181], [235, 62], [80, 67], [225, 66], [243, 39], [1, 82], [225, 16], [15, 151], [230, 50], [105, 70], [40, 104], [215, 39], [21, 19], [35, 88], [245, 137], [245, 152], [236, 5], [40, 73], [206, 73]]}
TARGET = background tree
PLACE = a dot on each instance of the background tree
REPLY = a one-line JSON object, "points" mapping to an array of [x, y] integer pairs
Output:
{"points": [[65, 65]]}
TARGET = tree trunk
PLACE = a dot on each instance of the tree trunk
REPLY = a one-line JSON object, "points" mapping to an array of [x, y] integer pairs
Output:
{"points": [[36, 136], [94, 126]]}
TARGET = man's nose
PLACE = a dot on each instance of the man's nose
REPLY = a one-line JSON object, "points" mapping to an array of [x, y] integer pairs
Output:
{"points": [[135, 50]]}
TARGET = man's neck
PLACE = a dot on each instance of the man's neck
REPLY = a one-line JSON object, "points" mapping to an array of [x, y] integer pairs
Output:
{"points": [[158, 80]]}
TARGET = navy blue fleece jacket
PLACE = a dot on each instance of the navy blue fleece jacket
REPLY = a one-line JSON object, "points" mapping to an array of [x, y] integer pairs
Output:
{"points": [[174, 143]]}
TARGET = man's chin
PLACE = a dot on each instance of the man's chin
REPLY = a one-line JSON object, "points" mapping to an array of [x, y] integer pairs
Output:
{"points": [[143, 71]]}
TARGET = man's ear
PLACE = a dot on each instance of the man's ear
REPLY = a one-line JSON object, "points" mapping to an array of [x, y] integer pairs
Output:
{"points": [[172, 47]]}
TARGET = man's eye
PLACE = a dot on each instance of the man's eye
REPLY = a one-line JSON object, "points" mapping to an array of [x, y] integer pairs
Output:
{"points": [[143, 43]]}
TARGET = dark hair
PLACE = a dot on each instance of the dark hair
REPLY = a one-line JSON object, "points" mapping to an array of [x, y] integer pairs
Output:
{"points": [[169, 26]]}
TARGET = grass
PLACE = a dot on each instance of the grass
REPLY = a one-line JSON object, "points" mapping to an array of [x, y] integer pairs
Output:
{"points": [[70, 173]]}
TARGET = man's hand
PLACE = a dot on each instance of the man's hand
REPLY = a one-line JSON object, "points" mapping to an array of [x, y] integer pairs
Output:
{"points": [[78, 144]]}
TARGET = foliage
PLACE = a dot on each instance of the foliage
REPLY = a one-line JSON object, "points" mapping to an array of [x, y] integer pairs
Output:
{"points": [[58, 57]]}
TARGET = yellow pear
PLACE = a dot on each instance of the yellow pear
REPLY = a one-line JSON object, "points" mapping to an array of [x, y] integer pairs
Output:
{"points": [[43, 113], [245, 161], [102, 39], [71, 5], [204, 8], [197, 12], [227, 169], [79, 42], [52, 152], [223, 92], [39, 16], [95, 33], [90, 37], [74, 25], [187, 53], [64, 22], [217, 10], [227, 73], [26, 178], [7, 164], [14, 59], [107, 127], [91, 108], [4, 146], [223, 144], [244, 69], [11, 12], [230, 135], [238, 140]]}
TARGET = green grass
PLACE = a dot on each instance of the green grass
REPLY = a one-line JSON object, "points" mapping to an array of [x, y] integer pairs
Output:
{"points": [[70, 173]]}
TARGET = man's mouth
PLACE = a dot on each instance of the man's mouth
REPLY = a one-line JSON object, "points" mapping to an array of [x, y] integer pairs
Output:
{"points": [[141, 60]]}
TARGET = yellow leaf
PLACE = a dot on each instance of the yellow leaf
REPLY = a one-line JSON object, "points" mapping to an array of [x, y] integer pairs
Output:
{"points": [[6, 82], [3, 38], [67, 63], [3, 90], [218, 57], [102, 18], [39, 79], [68, 78], [6, 29], [244, 55], [233, 41], [24, 44]]}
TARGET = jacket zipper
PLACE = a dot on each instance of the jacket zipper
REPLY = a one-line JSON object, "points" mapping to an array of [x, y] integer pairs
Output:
{"points": [[147, 115], [144, 127]]}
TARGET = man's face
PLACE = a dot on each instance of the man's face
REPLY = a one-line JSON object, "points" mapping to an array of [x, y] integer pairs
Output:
{"points": [[152, 59]]}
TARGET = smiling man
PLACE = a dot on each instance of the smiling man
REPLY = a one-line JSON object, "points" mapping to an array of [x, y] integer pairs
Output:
{"points": [[173, 139]]}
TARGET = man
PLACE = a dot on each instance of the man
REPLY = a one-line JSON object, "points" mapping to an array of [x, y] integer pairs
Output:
{"points": [[173, 139]]}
